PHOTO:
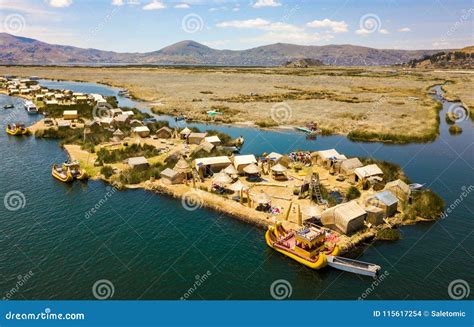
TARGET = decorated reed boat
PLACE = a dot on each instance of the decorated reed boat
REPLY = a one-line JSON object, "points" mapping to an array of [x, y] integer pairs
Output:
{"points": [[17, 129], [62, 174], [307, 246]]}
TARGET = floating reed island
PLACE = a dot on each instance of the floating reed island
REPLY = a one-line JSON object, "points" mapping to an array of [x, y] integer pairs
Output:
{"points": [[353, 199]]}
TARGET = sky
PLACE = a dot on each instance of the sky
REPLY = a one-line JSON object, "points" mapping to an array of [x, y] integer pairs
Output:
{"points": [[149, 25]]}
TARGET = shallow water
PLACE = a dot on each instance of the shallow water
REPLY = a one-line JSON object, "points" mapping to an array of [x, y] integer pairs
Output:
{"points": [[150, 247]]}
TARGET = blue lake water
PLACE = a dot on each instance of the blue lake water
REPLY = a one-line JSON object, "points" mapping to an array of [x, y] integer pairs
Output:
{"points": [[150, 247]]}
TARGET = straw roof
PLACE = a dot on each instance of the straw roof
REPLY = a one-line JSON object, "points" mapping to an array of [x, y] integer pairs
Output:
{"points": [[185, 131], [221, 178], [311, 211], [367, 171], [237, 186], [118, 132], [252, 169], [262, 198], [278, 168], [182, 166], [231, 170]]}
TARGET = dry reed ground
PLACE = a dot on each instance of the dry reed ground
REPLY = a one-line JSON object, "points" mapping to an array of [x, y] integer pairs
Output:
{"points": [[340, 100]]}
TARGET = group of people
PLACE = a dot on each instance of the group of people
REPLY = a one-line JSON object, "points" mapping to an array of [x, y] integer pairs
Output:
{"points": [[301, 156]]}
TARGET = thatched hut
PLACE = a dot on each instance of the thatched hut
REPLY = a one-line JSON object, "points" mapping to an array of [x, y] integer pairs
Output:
{"points": [[347, 217]]}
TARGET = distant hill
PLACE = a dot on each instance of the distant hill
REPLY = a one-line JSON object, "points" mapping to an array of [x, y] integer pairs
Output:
{"points": [[304, 63], [21, 50], [462, 58]]}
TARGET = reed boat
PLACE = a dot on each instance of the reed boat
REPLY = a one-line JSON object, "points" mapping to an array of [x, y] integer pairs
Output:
{"points": [[75, 170], [306, 246], [353, 266], [17, 129], [8, 106], [62, 174]]}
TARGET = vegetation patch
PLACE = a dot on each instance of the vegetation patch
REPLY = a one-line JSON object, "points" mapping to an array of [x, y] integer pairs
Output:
{"points": [[425, 204], [388, 234], [455, 129], [134, 150]]}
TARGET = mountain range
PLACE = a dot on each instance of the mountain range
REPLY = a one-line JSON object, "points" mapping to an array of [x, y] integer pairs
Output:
{"points": [[16, 50]]}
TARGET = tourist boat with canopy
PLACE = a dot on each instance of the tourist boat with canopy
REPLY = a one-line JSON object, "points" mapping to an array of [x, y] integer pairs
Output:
{"points": [[307, 246], [17, 129]]}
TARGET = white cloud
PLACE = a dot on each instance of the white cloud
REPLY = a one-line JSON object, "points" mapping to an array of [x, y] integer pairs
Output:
{"points": [[182, 6], [60, 3], [266, 3], [154, 5], [334, 26], [404, 29], [364, 32], [117, 3], [383, 31], [260, 24]]}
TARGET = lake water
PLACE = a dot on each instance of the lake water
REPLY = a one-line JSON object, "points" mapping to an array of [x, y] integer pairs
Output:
{"points": [[150, 247]]}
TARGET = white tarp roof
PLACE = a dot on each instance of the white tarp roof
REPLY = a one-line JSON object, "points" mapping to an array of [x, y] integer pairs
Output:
{"points": [[212, 161], [368, 171], [212, 139], [246, 159], [140, 129], [326, 154]]}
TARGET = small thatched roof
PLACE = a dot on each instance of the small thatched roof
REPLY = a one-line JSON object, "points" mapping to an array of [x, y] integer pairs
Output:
{"points": [[221, 178], [278, 168], [182, 166], [252, 169], [262, 198], [118, 132], [231, 170], [185, 131], [237, 186]]}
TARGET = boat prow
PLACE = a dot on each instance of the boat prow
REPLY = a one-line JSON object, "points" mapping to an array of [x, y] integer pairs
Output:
{"points": [[17, 130]]}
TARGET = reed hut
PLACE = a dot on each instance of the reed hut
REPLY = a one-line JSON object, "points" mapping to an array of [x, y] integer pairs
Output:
{"points": [[252, 171], [185, 133], [279, 172], [398, 187], [375, 215], [211, 165], [171, 177], [70, 114], [242, 161], [118, 134], [347, 166], [221, 179], [137, 162], [184, 168], [141, 131], [368, 173], [214, 139], [164, 133], [386, 201], [196, 138], [347, 217]]}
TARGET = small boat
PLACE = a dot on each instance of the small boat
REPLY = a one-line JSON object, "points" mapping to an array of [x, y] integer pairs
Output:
{"points": [[123, 92], [307, 246], [308, 131], [8, 106], [76, 171], [353, 266], [30, 108], [62, 174], [17, 129], [416, 186], [179, 118]]}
